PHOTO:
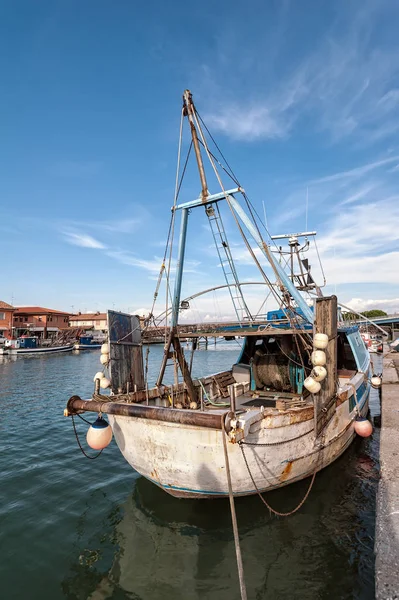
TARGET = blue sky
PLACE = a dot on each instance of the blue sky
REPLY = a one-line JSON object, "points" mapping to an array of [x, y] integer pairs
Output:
{"points": [[299, 95]]}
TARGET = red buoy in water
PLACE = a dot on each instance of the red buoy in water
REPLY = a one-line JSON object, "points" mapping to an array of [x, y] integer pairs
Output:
{"points": [[99, 435], [363, 427]]}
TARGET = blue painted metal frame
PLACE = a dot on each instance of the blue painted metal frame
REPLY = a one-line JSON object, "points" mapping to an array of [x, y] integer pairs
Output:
{"points": [[179, 266], [285, 280], [209, 199]]}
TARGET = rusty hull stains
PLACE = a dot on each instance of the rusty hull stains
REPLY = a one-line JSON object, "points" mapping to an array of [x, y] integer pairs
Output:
{"points": [[287, 470]]}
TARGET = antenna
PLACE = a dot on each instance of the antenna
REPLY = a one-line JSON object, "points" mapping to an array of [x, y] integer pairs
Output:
{"points": [[307, 204], [265, 217]]}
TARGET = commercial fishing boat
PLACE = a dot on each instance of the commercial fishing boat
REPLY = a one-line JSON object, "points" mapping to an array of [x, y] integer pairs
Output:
{"points": [[290, 404]]}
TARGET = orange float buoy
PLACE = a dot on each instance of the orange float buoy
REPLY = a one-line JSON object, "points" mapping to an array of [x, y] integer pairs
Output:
{"points": [[363, 427], [99, 435]]}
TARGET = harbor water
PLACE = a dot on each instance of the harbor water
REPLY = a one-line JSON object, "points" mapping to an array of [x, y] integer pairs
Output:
{"points": [[94, 529]]}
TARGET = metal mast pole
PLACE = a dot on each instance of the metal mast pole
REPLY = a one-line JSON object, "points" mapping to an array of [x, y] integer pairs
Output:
{"points": [[189, 111]]}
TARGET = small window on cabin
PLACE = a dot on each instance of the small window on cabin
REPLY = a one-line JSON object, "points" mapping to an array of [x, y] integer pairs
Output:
{"points": [[2, 316], [345, 358], [39, 319]]}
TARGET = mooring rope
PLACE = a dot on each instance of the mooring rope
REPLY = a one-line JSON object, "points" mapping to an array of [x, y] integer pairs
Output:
{"points": [[240, 567], [277, 443], [272, 510], [79, 444]]}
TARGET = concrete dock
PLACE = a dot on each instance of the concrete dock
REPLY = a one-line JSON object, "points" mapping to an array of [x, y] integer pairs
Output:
{"points": [[387, 524]]}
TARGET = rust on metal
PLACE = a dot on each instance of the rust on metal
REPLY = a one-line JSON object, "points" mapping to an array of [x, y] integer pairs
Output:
{"points": [[154, 413], [287, 470]]}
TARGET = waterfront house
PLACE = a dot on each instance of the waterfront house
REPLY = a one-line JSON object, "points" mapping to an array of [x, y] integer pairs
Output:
{"points": [[6, 313], [39, 321], [97, 322]]}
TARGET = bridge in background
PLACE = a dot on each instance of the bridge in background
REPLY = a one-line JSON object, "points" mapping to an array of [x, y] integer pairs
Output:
{"points": [[234, 328]]}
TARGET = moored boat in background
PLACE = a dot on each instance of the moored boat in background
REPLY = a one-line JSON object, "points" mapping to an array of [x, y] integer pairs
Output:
{"points": [[86, 342], [31, 345]]}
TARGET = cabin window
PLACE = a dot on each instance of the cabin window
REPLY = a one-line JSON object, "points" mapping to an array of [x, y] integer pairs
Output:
{"points": [[359, 350], [2, 316], [345, 357]]}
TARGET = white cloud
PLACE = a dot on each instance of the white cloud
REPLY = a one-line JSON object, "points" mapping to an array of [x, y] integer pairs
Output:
{"points": [[356, 172], [361, 244], [389, 305], [152, 265], [130, 259], [345, 85], [83, 240]]}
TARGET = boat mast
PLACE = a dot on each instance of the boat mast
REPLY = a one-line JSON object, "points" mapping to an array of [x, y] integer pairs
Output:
{"points": [[188, 111]]}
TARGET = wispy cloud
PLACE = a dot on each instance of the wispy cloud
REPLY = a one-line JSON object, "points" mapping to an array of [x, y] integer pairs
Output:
{"points": [[132, 260], [151, 265], [361, 244], [345, 85], [356, 172], [84, 240]]}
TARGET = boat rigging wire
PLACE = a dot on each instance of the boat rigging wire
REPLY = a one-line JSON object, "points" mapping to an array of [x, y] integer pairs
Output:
{"points": [[250, 250], [173, 218]]}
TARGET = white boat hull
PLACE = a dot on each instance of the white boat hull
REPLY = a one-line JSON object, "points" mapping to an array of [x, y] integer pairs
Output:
{"points": [[49, 350], [188, 461], [87, 346]]}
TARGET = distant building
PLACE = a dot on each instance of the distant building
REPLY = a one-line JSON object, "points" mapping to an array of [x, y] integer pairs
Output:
{"points": [[39, 321], [96, 321], [6, 312]]}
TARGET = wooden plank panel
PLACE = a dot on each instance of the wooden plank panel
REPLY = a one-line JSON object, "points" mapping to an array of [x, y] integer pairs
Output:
{"points": [[326, 322], [126, 356]]}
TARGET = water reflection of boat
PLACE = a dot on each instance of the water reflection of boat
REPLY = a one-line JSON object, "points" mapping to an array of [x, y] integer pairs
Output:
{"points": [[162, 548]]}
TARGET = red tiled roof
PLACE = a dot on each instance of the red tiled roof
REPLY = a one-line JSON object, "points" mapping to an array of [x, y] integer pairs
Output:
{"points": [[5, 305], [38, 310], [89, 317]]}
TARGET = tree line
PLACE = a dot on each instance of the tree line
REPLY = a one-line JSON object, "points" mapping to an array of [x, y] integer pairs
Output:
{"points": [[370, 314]]}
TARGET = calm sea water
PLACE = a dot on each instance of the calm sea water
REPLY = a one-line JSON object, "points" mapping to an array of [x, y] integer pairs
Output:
{"points": [[94, 529]]}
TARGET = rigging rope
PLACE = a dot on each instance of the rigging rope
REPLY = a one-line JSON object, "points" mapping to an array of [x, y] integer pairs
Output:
{"points": [[272, 510], [240, 567], [250, 250]]}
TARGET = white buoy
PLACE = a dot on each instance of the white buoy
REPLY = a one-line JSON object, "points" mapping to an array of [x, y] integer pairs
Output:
{"points": [[104, 359], [320, 341], [319, 373], [99, 434], [376, 381], [98, 375], [318, 358], [193, 405], [105, 349], [311, 385], [363, 427], [104, 383]]}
